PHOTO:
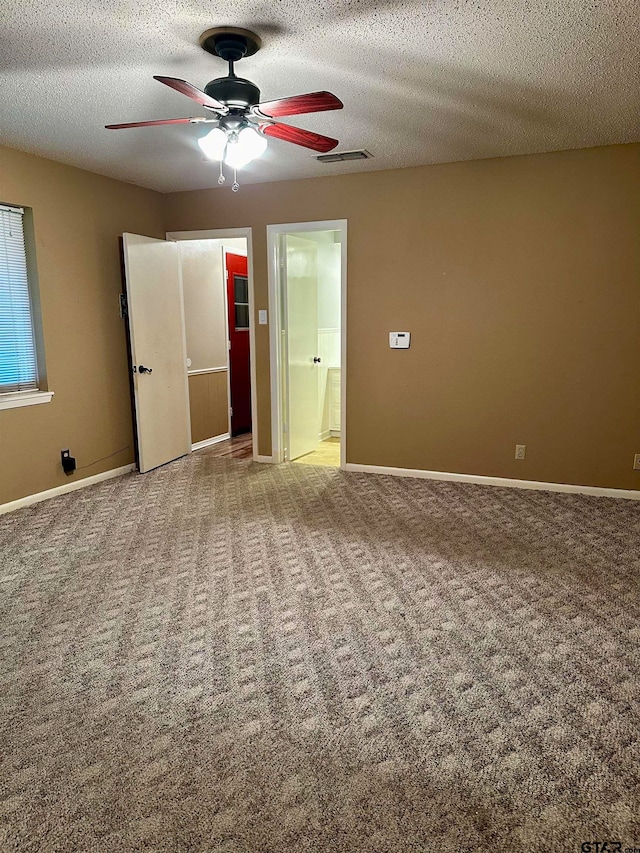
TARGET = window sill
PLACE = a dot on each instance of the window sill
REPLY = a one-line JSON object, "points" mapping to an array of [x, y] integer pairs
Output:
{"points": [[24, 398]]}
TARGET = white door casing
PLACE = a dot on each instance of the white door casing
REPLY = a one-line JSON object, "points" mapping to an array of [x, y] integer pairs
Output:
{"points": [[157, 336], [277, 327], [301, 286]]}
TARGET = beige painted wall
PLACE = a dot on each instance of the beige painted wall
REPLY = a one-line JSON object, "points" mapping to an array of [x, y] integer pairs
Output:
{"points": [[78, 218], [208, 405], [519, 279]]}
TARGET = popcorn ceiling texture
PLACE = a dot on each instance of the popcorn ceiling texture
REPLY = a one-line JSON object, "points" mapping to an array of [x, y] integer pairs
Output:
{"points": [[422, 82], [241, 658]]}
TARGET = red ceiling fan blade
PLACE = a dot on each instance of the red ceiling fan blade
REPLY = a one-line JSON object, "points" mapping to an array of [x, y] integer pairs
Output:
{"points": [[314, 102], [191, 92], [306, 138], [153, 123]]}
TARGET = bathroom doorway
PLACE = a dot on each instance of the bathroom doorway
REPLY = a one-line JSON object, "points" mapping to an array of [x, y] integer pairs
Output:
{"points": [[308, 298]]}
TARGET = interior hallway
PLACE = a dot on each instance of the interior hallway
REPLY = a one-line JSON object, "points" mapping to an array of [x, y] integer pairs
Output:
{"points": [[238, 447]]}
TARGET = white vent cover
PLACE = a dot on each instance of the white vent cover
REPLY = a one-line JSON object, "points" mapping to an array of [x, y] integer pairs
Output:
{"points": [[337, 156]]}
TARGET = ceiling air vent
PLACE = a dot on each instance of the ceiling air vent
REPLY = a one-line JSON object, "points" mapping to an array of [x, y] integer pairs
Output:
{"points": [[337, 156]]}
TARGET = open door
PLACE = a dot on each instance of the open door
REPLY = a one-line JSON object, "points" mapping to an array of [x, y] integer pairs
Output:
{"points": [[301, 282], [239, 348], [158, 351]]}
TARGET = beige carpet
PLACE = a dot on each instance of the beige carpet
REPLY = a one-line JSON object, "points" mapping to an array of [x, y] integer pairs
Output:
{"points": [[231, 657]]}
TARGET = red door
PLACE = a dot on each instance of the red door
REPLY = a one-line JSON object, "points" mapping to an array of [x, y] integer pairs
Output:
{"points": [[240, 379]]}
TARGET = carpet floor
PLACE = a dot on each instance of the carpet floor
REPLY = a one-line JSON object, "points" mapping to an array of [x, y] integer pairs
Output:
{"points": [[241, 658]]}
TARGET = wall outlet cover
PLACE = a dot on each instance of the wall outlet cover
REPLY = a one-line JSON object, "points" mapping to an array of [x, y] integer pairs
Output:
{"points": [[636, 462], [521, 451]]}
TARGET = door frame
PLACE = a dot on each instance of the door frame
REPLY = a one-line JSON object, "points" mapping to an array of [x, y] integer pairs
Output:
{"points": [[276, 328], [222, 234]]}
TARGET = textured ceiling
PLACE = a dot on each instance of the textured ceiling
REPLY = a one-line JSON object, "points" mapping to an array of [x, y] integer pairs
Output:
{"points": [[422, 82]]}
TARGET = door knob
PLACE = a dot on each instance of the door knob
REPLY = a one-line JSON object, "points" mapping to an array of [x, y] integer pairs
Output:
{"points": [[143, 369], [317, 359]]}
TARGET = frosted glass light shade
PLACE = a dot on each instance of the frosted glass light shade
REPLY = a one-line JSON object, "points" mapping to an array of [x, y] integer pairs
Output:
{"points": [[249, 145], [214, 143]]}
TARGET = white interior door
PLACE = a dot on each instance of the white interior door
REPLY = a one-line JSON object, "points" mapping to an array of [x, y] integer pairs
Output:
{"points": [[158, 351], [302, 344]]}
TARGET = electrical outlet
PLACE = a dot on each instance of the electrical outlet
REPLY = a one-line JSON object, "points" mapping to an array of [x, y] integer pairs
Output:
{"points": [[68, 462], [521, 450], [636, 462]]}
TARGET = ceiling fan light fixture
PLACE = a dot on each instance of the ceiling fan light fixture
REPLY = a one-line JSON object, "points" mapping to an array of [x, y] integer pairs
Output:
{"points": [[214, 143], [242, 120], [243, 147]]}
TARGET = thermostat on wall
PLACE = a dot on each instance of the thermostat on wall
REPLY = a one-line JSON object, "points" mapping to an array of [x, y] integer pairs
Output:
{"points": [[399, 340]]}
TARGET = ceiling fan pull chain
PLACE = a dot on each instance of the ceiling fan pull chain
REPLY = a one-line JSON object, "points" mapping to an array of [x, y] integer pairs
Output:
{"points": [[235, 186], [221, 177]]}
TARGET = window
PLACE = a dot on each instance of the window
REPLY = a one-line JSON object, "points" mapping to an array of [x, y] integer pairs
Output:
{"points": [[241, 301], [18, 353]]}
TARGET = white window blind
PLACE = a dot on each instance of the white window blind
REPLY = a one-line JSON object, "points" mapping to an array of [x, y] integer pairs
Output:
{"points": [[18, 365]]}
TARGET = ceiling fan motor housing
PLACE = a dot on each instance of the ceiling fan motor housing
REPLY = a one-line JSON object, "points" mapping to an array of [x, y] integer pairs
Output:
{"points": [[235, 92]]}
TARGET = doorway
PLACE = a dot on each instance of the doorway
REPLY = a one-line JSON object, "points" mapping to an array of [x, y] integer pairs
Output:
{"points": [[179, 341], [218, 297], [307, 291]]}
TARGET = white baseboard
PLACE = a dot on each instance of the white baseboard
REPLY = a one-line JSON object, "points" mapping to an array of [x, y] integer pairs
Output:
{"points": [[257, 458], [629, 494], [67, 487], [324, 435], [207, 442], [335, 433]]}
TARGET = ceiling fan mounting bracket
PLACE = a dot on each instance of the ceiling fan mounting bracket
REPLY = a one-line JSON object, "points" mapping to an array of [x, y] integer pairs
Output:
{"points": [[230, 43]]}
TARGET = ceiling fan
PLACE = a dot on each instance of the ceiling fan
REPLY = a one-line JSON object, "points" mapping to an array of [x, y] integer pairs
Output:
{"points": [[241, 121]]}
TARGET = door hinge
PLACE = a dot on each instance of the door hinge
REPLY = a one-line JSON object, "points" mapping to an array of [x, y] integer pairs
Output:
{"points": [[228, 345], [285, 428], [231, 410], [124, 307]]}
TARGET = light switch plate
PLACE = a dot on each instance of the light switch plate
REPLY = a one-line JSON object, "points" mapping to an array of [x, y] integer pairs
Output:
{"points": [[399, 340], [262, 317]]}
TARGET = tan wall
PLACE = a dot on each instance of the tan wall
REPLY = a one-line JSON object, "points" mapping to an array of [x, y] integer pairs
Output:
{"points": [[208, 405], [519, 279], [78, 218]]}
